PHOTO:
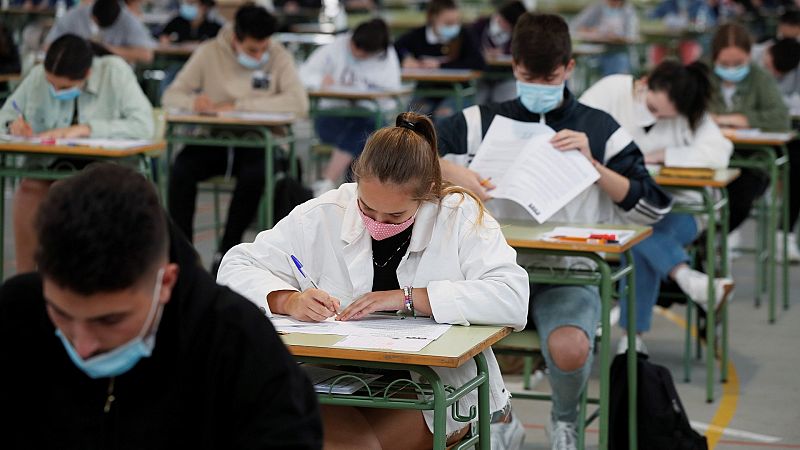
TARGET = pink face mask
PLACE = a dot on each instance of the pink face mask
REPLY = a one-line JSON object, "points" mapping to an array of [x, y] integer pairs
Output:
{"points": [[380, 231]]}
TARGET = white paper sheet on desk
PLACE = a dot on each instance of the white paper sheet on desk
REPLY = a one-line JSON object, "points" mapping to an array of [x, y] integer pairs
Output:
{"points": [[325, 380], [528, 170], [384, 343], [756, 133], [623, 236], [114, 144], [259, 116], [373, 325]]}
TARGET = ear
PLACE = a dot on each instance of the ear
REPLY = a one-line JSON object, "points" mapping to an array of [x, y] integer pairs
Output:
{"points": [[168, 281], [570, 69]]}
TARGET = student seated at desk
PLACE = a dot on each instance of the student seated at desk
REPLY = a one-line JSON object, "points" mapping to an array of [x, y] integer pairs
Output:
{"points": [[74, 94], [780, 58], [566, 317], [362, 60], [441, 44], [109, 23], [744, 96], [399, 239], [129, 343], [494, 35], [665, 112], [192, 24], [609, 20], [241, 69]]}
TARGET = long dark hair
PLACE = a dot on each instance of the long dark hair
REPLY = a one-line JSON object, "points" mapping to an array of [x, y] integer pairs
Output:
{"points": [[688, 88], [69, 56]]}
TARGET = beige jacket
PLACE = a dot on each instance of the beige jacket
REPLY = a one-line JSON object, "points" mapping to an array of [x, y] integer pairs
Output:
{"points": [[214, 70]]}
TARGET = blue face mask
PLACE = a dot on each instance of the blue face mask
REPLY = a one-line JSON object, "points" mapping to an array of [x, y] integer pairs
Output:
{"points": [[611, 11], [64, 94], [189, 12], [449, 32], [540, 98], [732, 74], [123, 358], [251, 63]]}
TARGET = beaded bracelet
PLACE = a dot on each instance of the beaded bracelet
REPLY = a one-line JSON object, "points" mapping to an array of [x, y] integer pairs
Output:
{"points": [[408, 300]]}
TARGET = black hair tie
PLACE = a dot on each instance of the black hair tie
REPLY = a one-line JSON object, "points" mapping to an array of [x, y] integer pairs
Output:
{"points": [[407, 124]]}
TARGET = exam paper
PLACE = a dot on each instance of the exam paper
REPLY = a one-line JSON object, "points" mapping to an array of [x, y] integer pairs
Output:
{"points": [[247, 115], [527, 169], [374, 325], [325, 380], [384, 343], [756, 133], [114, 144], [623, 236]]}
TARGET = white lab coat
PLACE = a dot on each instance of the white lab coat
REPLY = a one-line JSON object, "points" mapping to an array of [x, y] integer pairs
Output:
{"points": [[469, 270]]}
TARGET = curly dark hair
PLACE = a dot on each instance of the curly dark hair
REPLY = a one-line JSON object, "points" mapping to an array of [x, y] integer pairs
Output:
{"points": [[101, 230]]}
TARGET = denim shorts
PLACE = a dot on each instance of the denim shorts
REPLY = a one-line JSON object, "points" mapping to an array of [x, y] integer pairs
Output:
{"points": [[554, 306]]}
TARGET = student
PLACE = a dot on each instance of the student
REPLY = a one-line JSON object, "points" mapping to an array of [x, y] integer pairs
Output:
{"points": [[565, 316], [441, 43], [362, 60], [745, 96], [781, 61], [609, 20], [74, 94], [110, 24], [396, 240], [494, 35], [665, 112], [129, 343], [192, 24], [242, 69], [682, 14]]}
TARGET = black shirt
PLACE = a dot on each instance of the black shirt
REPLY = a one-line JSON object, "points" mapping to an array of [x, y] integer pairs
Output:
{"points": [[388, 253], [219, 377], [180, 30], [463, 52]]}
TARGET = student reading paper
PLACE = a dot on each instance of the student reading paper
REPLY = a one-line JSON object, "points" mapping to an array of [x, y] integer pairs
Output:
{"points": [[565, 316], [665, 112], [397, 239]]}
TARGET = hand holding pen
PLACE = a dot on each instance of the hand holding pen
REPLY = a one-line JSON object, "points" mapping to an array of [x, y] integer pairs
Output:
{"points": [[19, 127], [311, 305]]}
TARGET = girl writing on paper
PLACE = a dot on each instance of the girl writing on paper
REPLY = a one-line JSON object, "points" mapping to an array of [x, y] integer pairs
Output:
{"points": [[398, 239], [666, 113]]}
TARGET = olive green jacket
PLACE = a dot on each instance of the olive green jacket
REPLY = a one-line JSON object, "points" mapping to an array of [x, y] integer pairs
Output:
{"points": [[757, 97]]}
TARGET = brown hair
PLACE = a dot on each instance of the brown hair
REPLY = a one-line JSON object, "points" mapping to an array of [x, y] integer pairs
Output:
{"points": [[435, 7], [407, 153], [541, 43], [730, 35]]}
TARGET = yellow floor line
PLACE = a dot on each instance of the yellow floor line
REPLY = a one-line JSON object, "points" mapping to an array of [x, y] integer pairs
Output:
{"points": [[730, 390]]}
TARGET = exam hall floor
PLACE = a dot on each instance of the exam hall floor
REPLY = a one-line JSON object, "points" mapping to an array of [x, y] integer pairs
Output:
{"points": [[757, 409]]}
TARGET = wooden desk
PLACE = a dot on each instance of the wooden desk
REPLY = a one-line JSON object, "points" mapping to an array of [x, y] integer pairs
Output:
{"points": [[9, 167], [4, 78], [239, 132], [710, 207], [350, 94], [316, 28], [767, 152], [441, 75], [452, 350], [315, 39], [526, 238]]}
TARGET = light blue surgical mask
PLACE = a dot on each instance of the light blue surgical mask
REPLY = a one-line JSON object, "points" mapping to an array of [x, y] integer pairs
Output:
{"points": [[449, 32], [123, 358], [251, 63], [732, 74], [64, 94], [189, 12], [540, 98], [611, 11]]}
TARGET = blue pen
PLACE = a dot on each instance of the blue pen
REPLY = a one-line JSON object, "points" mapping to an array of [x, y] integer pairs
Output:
{"points": [[17, 109], [300, 268]]}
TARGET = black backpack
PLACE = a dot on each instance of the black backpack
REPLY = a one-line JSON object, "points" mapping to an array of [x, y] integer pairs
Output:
{"points": [[661, 420], [289, 191]]}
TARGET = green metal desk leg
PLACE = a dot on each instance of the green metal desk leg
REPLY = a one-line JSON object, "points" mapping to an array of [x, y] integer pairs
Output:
{"points": [[605, 344], [724, 216], [632, 387], [687, 349], [772, 222], [165, 166], [266, 219], [2, 220], [439, 413], [484, 416], [711, 324], [459, 97], [785, 214]]}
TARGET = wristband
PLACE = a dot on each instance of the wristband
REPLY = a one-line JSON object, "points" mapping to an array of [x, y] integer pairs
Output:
{"points": [[408, 300]]}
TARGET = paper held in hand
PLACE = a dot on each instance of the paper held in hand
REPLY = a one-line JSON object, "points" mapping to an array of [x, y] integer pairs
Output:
{"points": [[528, 170]]}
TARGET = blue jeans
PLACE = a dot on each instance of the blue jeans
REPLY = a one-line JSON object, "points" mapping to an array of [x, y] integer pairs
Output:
{"points": [[654, 258], [616, 62], [348, 134], [554, 307]]}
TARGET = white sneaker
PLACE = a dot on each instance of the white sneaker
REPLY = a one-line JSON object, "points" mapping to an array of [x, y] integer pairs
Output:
{"points": [[791, 246], [322, 186], [507, 435], [734, 243], [562, 435], [695, 285], [622, 346]]}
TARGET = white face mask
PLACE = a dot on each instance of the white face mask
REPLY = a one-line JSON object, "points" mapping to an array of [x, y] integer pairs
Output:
{"points": [[497, 34]]}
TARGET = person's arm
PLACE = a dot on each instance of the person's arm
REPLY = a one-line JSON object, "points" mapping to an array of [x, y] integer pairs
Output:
{"points": [[290, 95], [708, 148], [771, 112], [470, 57], [318, 64], [388, 76], [135, 118], [453, 152], [404, 46], [645, 202], [188, 84]]}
